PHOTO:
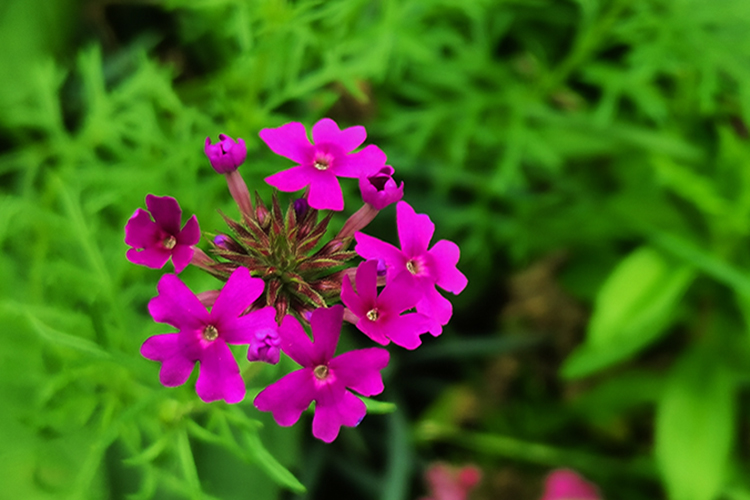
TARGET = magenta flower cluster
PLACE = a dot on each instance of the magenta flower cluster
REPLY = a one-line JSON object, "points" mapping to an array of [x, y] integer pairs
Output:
{"points": [[282, 279]]}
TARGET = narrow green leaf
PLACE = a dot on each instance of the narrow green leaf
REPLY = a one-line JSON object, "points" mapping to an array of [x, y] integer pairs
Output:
{"points": [[695, 426], [633, 308], [269, 464], [65, 339], [187, 464], [378, 407]]}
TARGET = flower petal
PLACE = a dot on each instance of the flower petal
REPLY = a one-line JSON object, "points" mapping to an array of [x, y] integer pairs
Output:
{"points": [[191, 232], [242, 330], [334, 407], [367, 282], [176, 305], [437, 308], [141, 231], [295, 342], [326, 328], [360, 370], [362, 163], [414, 230], [153, 257], [350, 298], [445, 255], [292, 179], [349, 139], [238, 293], [289, 140], [219, 376], [374, 330], [325, 192], [405, 330], [181, 257], [166, 212], [288, 397], [176, 366], [400, 293], [372, 248]]}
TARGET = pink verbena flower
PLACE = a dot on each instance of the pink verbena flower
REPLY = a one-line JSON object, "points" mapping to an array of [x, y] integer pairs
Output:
{"points": [[566, 484], [321, 163], [379, 316], [227, 154], [323, 378], [379, 189], [154, 241], [424, 268], [451, 483], [203, 336]]}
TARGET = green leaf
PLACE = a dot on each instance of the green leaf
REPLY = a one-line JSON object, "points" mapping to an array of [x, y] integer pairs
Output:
{"points": [[633, 308], [269, 464], [378, 407], [695, 426]]}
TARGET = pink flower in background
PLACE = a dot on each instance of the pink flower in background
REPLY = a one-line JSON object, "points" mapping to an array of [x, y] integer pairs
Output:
{"points": [[321, 163], [379, 316], [203, 336], [566, 484], [155, 241], [380, 190], [424, 268], [227, 154], [323, 377], [451, 483]]}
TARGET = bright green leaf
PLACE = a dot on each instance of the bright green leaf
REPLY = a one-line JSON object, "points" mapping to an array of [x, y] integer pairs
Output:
{"points": [[695, 427], [633, 308]]}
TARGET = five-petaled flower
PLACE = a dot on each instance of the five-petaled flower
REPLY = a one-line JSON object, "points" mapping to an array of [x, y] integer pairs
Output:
{"points": [[323, 378], [227, 154], [378, 317], [203, 336], [154, 241], [424, 268], [320, 164]]}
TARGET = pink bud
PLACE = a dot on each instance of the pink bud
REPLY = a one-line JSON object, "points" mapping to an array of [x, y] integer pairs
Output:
{"points": [[227, 154], [380, 190]]}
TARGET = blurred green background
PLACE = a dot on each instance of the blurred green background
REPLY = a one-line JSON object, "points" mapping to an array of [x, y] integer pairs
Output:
{"points": [[590, 157]]}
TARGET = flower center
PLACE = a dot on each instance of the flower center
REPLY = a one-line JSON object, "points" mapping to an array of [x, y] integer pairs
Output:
{"points": [[210, 333], [169, 242], [321, 372], [372, 314], [321, 164], [413, 266]]}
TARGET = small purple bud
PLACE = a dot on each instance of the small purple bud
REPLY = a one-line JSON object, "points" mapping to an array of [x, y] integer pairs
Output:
{"points": [[382, 268], [227, 154], [380, 190], [265, 347], [301, 206], [221, 240]]}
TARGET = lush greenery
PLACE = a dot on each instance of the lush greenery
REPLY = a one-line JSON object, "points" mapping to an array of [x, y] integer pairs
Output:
{"points": [[590, 157]]}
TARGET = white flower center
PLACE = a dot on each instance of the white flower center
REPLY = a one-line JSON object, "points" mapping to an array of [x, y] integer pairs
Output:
{"points": [[321, 372], [414, 266], [321, 164], [372, 314], [210, 333], [169, 242]]}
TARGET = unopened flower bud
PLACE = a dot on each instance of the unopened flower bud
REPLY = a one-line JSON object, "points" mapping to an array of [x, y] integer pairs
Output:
{"points": [[265, 347], [221, 240], [380, 190], [227, 154], [301, 206]]}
